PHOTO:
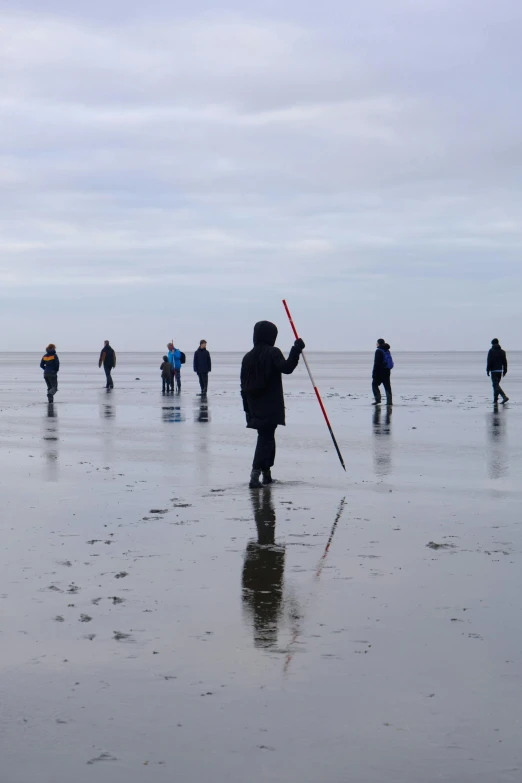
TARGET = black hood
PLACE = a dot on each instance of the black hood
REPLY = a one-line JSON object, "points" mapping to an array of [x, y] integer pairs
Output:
{"points": [[52, 352], [265, 332], [496, 347]]}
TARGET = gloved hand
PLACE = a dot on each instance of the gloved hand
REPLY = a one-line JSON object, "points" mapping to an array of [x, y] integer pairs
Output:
{"points": [[487, 373], [299, 344]]}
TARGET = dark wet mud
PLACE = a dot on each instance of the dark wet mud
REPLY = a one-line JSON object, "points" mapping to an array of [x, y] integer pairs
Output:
{"points": [[160, 618]]}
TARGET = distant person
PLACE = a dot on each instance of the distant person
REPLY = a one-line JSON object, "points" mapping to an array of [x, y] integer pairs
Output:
{"points": [[175, 359], [382, 367], [497, 367], [166, 375], [202, 365], [50, 364], [262, 393], [108, 359]]}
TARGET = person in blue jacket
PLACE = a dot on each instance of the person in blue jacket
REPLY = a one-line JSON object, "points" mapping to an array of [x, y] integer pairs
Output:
{"points": [[175, 363], [50, 364], [202, 365]]}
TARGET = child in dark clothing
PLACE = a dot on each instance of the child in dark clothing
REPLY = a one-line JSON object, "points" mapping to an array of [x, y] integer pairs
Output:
{"points": [[166, 375]]}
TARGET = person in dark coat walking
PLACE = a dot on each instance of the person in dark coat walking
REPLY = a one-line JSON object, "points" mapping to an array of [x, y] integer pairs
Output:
{"points": [[50, 364], [262, 393], [497, 367], [202, 365], [108, 359], [382, 365]]}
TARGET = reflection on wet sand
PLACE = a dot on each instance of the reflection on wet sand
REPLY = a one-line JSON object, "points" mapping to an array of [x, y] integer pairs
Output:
{"points": [[263, 573], [382, 442], [497, 457], [202, 412], [297, 616], [172, 413], [107, 411], [107, 414], [51, 440]]}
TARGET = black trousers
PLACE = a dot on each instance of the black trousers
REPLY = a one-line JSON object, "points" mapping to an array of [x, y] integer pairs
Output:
{"points": [[495, 380], [203, 381], [376, 382], [166, 384], [264, 456], [108, 371], [177, 376], [51, 380]]}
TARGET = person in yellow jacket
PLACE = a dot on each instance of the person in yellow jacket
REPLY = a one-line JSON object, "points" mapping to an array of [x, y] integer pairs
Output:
{"points": [[50, 364]]}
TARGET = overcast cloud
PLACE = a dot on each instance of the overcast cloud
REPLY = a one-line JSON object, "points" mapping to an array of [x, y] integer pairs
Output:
{"points": [[176, 169]]}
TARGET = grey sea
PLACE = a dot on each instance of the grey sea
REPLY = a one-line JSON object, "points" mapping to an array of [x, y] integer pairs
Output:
{"points": [[162, 622]]}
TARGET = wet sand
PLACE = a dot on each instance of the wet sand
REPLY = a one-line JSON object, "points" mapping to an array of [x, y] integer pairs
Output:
{"points": [[160, 621]]}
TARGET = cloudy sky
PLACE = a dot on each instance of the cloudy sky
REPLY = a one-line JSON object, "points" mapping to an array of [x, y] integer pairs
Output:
{"points": [[176, 169]]}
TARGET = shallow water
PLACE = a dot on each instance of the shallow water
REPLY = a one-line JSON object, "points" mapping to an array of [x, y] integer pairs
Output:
{"points": [[159, 615]]}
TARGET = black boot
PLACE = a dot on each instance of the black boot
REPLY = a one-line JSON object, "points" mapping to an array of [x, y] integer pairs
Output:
{"points": [[267, 477], [254, 479]]}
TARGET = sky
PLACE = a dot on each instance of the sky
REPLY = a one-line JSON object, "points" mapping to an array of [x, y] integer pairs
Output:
{"points": [[177, 169]]}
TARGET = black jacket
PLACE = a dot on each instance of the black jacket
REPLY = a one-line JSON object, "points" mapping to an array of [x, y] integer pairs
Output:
{"points": [[107, 357], [202, 361], [261, 382], [379, 368], [50, 362], [497, 360]]}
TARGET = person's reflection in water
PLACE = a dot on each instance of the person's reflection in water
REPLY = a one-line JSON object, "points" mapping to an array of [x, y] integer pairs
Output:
{"points": [[51, 439], [107, 415], [202, 410], [382, 445], [172, 413], [263, 573], [497, 457]]}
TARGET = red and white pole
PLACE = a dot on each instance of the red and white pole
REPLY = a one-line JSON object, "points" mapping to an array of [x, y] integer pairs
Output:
{"points": [[316, 390]]}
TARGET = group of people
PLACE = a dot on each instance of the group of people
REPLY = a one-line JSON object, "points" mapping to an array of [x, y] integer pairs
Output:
{"points": [[262, 389], [170, 367], [261, 383]]}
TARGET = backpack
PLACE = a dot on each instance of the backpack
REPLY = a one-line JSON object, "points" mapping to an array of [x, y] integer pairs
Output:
{"points": [[182, 357], [388, 361]]}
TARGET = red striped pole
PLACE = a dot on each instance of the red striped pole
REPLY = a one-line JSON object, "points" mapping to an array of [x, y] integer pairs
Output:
{"points": [[316, 390]]}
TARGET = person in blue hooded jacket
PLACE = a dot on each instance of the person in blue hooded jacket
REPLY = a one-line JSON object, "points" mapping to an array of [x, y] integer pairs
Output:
{"points": [[50, 364], [175, 363]]}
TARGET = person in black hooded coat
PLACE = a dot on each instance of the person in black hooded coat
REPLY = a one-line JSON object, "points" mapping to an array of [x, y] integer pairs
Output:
{"points": [[497, 365], [262, 393]]}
